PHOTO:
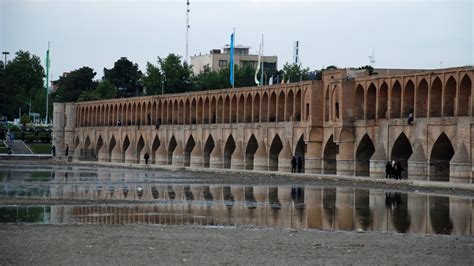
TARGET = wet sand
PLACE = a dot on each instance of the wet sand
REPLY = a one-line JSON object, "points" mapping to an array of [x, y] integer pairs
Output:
{"points": [[165, 245]]}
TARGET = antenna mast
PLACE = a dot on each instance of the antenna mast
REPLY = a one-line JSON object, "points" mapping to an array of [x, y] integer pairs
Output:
{"points": [[187, 31], [296, 52], [372, 58]]}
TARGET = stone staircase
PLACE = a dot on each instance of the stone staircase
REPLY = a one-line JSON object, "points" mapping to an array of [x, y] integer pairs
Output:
{"points": [[19, 147]]}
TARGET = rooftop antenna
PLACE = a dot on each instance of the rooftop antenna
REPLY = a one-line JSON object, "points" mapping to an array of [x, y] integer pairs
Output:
{"points": [[372, 58], [296, 52], [187, 31]]}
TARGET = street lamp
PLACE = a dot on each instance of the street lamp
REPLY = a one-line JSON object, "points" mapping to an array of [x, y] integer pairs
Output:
{"points": [[5, 62]]}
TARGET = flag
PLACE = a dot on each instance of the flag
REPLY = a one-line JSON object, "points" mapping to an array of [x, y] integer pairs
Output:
{"points": [[232, 59], [258, 65]]}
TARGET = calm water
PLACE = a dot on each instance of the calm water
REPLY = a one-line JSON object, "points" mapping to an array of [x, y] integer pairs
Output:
{"points": [[172, 198]]}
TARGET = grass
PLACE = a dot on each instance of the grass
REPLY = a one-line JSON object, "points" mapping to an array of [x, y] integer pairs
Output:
{"points": [[3, 149], [40, 148]]}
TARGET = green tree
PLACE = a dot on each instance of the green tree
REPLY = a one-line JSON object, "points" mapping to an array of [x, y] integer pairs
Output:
{"points": [[152, 80], [72, 85], [125, 76], [20, 81], [211, 80], [294, 72], [177, 75], [105, 90], [25, 119]]}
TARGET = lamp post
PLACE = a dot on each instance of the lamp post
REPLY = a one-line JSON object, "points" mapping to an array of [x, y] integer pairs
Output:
{"points": [[5, 62]]}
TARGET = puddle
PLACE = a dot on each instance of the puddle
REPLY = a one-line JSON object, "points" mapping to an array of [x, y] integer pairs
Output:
{"points": [[305, 207]]}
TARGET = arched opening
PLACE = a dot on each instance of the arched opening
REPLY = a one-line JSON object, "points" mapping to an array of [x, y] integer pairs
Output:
{"points": [[408, 98], [112, 146], [365, 150], [435, 98], [154, 113], [248, 109], [334, 113], [289, 107], [422, 99], [220, 110], [228, 150], [396, 103], [188, 150], [272, 110], [441, 154], [140, 145], [200, 106], [329, 157], [187, 112], [125, 145], [149, 114], [213, 111], [138, 114], [401, 151], [281, 107], [176, 112], [208, 147], [298, 106], [275, 150], [154, 147], [206, 111], [326, 105], [193, 112], [449, 97], [241, 112], [252, 147], [300, 150], [464, 98], [383, 100], [256, 108], [171, 147], [165, 113], [233, 110], [264, 116], [359, 103], [371, 102], [87, 149], [227, 109], [99, 145]]}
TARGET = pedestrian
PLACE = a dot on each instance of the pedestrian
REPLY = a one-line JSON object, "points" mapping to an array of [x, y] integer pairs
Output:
{"points": [[67, 150], [149, 119], [300, 165], [146, 157], [388, 170], [119, 123], [410, 117], [53, 150], [293, 164]]}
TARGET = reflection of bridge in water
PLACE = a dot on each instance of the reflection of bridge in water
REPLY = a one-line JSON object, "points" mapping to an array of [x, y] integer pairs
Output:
{"points": [[262, 206]]}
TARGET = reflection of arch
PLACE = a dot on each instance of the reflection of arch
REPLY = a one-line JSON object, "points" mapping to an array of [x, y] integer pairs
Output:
{"points": [[383, 100], [422, 99], [188, 149], [449, 97], [464, 98], [329, 157], [252, 147], [365, 150], [208, 147], [299, 151], [439, 215], [441, 153], [275, 150], [395, 104], [408, 98], [228, 150], [401, 151], [370, 102], [359, 103], [171, 147], [435, 98]]}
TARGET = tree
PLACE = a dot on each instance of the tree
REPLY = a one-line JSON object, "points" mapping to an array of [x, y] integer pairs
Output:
{"points": [[294, 72], [125, 76], [21, 81], [105, 90], [153, 79], [369, 69], [73, 84], [177, 75], [25, 119]]}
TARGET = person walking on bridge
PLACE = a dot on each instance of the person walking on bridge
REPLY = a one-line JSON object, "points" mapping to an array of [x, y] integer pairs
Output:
{"points": [[293, 164]]}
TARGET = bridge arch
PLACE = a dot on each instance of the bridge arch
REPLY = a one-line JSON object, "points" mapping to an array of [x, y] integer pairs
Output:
{"points": [[464, 99], [200, 106], [227, 109], [213, 110], [125, 145], [241, 113], [435, 98], [449, 97], [359, 103], [233, 109], [188, 149], [371, 102], [326, 104], [281, 107], [264, 112], [229, 149], [298, 103], [364, 152], [441, 154], [208, 147], [329, 156], [256, 108], [193, 111], [220, 110], [383, 101], [401, 151], [187, 112], [251, 148], [206, 111], [300, 151], [396, 100], [248, 109], [408, 98], [421, 109], [275, 149], [171, 147], [289, 107], [272, 112]]}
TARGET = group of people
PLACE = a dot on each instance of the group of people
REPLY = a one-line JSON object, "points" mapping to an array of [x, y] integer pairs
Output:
{"points": [[296, 164], [393, 169]]}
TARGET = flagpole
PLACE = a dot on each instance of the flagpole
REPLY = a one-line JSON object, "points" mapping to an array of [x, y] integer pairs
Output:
{"points": [[47, 81], [261, 79], [233, 55]]}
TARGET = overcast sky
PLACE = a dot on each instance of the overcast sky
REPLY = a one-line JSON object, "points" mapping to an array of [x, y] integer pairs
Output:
{"points": [[404, 34]]}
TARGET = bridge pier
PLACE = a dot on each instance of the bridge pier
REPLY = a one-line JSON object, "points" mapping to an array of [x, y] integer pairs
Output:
{"points": [[161, 155], [378, 162], [103, 155], [131, 155], [460, 166], [178, 155], [237, 158], [345, 167], [284, 158], [216, 158], [116, 155], [196, 156], [312, 159], [260, 160]]}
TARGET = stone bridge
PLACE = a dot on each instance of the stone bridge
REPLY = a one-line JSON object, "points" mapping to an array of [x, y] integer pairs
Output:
{"points": [[348, 123]]}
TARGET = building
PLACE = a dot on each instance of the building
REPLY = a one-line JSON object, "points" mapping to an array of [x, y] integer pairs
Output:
{"points": [[217, 59]]}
